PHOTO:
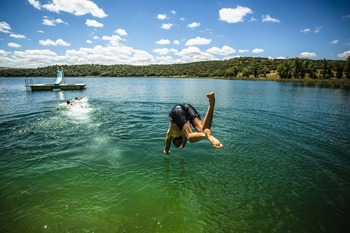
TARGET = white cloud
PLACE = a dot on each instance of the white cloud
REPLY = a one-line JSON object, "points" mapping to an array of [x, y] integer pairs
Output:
{"points": [[166, 60], [89, 41], [225, 50], [93, 23], [5, 27], [161, 16], [243, 50], [115, 54], [335, 41], [48, 22], [166, 26], [35, 4], [268, 18], [13, 45], [121, 32], [190, 51], [52, 22], [306, 30], [76, 7], [192, 54], [35, 58], [58, 42], [165, 51], [307, 55], [252, 19], [257, 50], [177, 42], [17, 36], [198, 41], [193, 25], [142, 57], [318, 29], [163, 42], [112, 53], [173, 12], [113, 40], [182, 19], [234, 15], [3, 53], [344, 55]]}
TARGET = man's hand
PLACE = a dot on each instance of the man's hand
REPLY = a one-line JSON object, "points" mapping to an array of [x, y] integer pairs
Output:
{"points": [[167, 151]]}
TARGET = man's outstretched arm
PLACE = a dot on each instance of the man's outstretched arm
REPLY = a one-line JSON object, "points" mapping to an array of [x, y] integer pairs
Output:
{"points": [[167, 142]]}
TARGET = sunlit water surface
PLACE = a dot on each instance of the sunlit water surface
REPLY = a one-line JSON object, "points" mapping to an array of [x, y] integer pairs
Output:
{"points": [[100, 167]]}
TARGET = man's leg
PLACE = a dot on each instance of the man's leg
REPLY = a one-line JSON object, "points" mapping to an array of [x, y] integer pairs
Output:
{"points": [[208, 119], [207, 122]]}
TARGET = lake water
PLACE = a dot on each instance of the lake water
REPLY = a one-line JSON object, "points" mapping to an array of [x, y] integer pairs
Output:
{"points": [[100, 167]]}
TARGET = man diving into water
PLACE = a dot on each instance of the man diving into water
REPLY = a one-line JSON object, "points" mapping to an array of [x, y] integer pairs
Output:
{"points": [[182, 116]]}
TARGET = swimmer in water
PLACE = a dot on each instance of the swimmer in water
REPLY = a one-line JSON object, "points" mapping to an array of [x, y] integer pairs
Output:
{"points": [[76, 98], [69, 104], [182, 116]]}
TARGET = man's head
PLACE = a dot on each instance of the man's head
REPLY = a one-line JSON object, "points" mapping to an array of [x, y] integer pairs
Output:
{"points": [[179, 142]]}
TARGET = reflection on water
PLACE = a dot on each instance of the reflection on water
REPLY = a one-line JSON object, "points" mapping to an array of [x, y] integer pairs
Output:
{"points": [[99, 166]]}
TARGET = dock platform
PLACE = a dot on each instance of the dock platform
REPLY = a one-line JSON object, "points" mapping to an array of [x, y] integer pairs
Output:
{"points": [[51, 86], [59, 84]]}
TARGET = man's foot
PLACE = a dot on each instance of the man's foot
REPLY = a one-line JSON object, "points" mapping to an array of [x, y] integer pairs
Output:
{"points": [[216, 143], [211, 98]]}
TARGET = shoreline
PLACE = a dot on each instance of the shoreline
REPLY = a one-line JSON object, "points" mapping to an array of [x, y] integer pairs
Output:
{"points": [[331, 80]]}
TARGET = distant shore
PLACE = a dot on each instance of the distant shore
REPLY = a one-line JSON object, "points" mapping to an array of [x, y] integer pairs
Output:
{"points": [[245, 68]]}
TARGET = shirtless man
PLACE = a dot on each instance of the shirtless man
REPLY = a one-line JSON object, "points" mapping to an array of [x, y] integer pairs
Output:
{"points": [[69, 104], [182, 116]]}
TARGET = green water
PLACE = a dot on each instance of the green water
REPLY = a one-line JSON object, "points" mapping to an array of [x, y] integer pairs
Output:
{"points": [[100, 167]]}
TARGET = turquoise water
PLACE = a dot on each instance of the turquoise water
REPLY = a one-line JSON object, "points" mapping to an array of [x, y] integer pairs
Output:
{"points": [[100, 167]]}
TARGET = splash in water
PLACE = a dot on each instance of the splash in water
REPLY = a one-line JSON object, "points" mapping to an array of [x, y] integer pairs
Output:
{"points": [[80, 111]]}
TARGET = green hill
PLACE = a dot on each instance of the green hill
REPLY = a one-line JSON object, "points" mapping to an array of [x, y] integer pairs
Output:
{"points": [[235, 68]]}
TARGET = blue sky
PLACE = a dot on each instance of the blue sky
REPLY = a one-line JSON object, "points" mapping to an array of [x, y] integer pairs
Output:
{"points": [[37, 33]]}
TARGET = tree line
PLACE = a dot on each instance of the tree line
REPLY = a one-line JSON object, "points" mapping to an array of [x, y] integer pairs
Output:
{"points": [[243, 67]]}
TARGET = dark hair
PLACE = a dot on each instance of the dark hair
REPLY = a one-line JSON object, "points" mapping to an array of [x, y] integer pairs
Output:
{"points": [[178, 141], [68, 102]]}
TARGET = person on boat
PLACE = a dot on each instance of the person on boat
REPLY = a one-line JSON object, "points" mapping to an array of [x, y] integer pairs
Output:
{"points": [[182, 116]]}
